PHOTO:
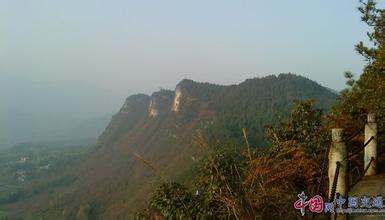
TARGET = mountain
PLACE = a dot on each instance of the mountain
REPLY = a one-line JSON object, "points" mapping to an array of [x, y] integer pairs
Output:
{"points": [[151, 139]]}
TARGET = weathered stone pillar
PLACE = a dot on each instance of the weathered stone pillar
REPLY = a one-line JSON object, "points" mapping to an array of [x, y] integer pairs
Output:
{"points": [[371, 148], [338, 153]]}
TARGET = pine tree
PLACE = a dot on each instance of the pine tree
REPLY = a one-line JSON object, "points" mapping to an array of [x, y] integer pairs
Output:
{"points": [[367, 94]]}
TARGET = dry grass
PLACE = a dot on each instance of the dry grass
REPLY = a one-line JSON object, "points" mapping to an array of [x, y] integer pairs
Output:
{"points": [[273, 182]]}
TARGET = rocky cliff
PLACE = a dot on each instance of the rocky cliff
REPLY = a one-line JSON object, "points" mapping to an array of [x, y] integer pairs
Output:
{"points": [[150, 138]]}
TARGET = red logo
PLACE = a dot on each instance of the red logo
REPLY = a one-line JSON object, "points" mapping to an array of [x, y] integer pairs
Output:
{"points": [[316, 204]]}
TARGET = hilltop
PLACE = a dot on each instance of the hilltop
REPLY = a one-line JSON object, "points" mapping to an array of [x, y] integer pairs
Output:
{"points": [[152, 137]]}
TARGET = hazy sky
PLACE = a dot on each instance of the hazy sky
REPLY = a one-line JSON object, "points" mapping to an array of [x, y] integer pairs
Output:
{"points": [[120, 47]]}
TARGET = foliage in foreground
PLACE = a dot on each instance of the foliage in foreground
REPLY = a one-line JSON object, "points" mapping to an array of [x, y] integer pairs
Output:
{"points": [[367, 94], [263, 185], [242, 184]]}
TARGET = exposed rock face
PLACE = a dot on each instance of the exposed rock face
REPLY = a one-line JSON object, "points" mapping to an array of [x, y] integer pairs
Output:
{"points": [[149, 126], [177, 99], [160, 103], [152, 109]]}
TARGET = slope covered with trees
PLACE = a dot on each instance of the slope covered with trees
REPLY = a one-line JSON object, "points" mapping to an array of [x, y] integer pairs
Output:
{"points": [[166, 137], [239, 152], [263, 184]]}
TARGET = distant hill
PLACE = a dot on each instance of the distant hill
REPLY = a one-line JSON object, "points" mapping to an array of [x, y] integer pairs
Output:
{"points": [[151, 138]]}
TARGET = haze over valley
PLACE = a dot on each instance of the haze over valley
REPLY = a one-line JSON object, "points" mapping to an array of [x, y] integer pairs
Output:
{"points": [[180, 109]]}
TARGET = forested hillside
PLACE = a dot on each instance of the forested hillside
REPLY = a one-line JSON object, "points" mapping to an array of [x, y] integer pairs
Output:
{"points": [[159, 138], [248, 183]]}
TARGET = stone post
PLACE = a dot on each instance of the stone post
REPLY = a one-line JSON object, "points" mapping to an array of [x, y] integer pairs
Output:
{"points": [[338, 153], [371, 148]]}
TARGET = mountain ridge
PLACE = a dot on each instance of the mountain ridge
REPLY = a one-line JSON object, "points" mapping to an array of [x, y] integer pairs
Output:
{"points": [[151, 139]]}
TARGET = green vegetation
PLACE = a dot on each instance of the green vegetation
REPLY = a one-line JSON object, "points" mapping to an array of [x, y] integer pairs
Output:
{"points": [[25, 170], [138, 152], [262, 184], [242, 184], [367, 94], [233, 152], [258, 103], [305, 125]]}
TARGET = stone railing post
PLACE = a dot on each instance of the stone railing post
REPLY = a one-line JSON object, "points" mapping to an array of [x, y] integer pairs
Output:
{"points": [[371, 148], [338, 153]]}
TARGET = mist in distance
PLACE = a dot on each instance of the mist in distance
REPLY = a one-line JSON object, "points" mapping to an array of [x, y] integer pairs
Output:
{"points": [[68, 64]]}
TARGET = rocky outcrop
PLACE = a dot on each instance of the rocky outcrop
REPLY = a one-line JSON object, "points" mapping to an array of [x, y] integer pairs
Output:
{"points": [[152, 109], [160, 103], [150, 127], [177, 99]]}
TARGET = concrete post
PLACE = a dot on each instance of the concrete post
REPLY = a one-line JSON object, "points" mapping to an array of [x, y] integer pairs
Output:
{"points": [[338, 153], [371, 148]]}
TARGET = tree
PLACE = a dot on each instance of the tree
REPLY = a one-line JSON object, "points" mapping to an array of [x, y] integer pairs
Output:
{"points": [[367, 94], [305, 125], [173, 201]]}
